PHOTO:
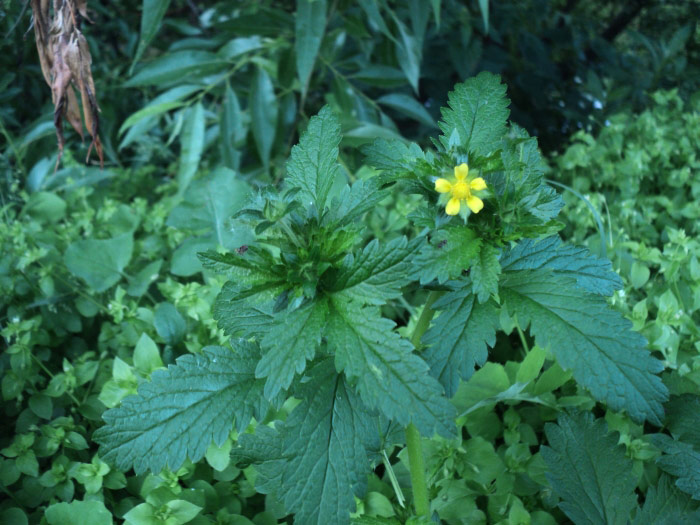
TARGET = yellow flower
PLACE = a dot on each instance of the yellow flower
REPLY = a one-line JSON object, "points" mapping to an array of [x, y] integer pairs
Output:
{"points": [[460, 190]]}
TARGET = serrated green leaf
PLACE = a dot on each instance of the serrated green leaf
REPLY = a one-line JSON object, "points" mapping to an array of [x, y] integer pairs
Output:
{"points": [[263, 108], [245, 312], [589, 471], [458, 339], [377, 274], [100, 262], [683, 418], [664, 504], [447, 255], [353, 202], [183, 409], [151, 16], [385, 371], [484, 273], [192, 145], [591, 273], [309, 28], [321, 460], [680, 460], [394, 157], [290, 342], [313, 164], [478, 110], [589, 338]]}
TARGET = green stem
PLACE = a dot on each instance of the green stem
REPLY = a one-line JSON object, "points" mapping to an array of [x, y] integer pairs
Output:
{"points": [[416, 463]]}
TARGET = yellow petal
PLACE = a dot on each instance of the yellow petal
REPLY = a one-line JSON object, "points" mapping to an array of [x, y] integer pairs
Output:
{"points": [[475, 204], [442, 185], [478, 184], [452, 207], [461, 171]]}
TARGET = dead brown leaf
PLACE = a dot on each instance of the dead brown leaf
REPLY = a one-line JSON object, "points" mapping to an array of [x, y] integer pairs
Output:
{"points": [[66, 62]]}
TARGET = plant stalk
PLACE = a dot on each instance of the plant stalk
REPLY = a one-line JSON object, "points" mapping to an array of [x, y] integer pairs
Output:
{"points": [[416, 464]]}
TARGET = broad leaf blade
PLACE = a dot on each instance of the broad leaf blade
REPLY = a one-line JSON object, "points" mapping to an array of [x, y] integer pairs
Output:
{"points": [[589, 471], [100, 262], [151, 16], [322, 461], [310, 26], [458, 339], [664, 504], [183, 409], [385, 371], [449, 253], [478, 110], [589, 338], [484, 273], [377, 274], [591, 273], [313, 164], [291, 341]]}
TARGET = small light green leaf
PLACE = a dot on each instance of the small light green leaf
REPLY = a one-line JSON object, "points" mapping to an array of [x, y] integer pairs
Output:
{"points": [[169, 323], [151, 16], [192, 145], [45, 206], [182, 511], [408, 106], [530, 367], [263, 113], [183, 409], [309, 29], [141, 281], [219, 457], [76, 511], [385, 371], [146, 355], [313, 164], [100, 262], [589, 471], [639, 274]]}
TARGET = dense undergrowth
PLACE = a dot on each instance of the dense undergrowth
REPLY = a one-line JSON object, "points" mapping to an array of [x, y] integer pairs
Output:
{"points": [[102, 287]]}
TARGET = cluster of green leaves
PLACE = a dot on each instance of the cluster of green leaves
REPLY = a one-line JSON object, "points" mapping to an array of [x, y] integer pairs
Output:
{"points": [[302, 307]]}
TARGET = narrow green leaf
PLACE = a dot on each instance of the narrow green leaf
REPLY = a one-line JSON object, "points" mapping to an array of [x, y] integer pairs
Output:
{"points": [[484, 8], [589, 338], [385, 371], [408, 53], [148, 111], [317, 462], [232, 130], [183, 409], [291, 341], [263, 108], [478, 110], [191, 64], [313, 164], [152, 14], [192, 145], [458, 339], [680, 460], [100, 262], [408, 106], [589, 471], [309, 29]]}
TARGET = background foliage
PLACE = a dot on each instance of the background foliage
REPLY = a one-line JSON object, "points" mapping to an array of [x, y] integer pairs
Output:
{"points": [[201, 102]]}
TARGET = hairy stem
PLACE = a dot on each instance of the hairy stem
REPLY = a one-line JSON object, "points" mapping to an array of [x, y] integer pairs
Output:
{"points": [[415, 452]]}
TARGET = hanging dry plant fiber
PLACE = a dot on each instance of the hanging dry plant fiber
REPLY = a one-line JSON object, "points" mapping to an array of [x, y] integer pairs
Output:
{"points": [[65, 62]]}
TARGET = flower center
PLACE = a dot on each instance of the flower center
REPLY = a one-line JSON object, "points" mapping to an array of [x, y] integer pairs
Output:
{"points": [[460, 190]]}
